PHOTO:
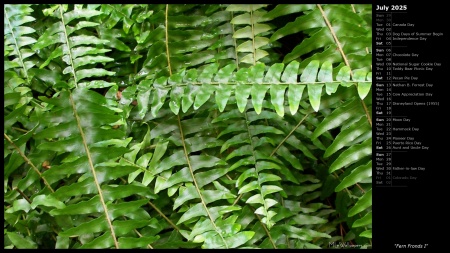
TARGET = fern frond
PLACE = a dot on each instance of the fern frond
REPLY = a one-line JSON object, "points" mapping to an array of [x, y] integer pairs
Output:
{"points": [[179, 40], [19, 63], [83, 139], [329, 30], [350, 153], [191, 180], [70, 47], [166, 126], [247, 158], [194, 88], [250, 35], [17, 39]]}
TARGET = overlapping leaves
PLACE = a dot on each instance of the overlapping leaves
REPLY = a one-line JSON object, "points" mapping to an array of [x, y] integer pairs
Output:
{"points": [[80, 130], [322, 25], [165, 126], [249, 32], [351, 153], [80, 52], [191, 88], [177, 169]]}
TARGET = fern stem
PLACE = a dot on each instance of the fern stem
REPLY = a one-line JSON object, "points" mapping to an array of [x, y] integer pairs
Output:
{"points": [[167, 39], [28, 229], [367, 112], [150, 203], [275, 150], [237, 199], [23, 194], [68, 47], [20, 129], [287, 136], [195, 181], [54, 238], [94, 174], [342, 54], [36, 103], [17, 46], [235, 45], [139, 234], [262, 83], [164, 217], [253, 38], [28, 161], [254, 158], [265, 229], [342, 231], [145, 169], [334, 37]]}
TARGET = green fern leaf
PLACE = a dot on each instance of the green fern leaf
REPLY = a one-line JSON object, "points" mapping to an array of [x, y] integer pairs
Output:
{"points": [[352, 155], [366, 220], [16, 40], [357, 175], [348, 135], [338, 117], [364, 202]]}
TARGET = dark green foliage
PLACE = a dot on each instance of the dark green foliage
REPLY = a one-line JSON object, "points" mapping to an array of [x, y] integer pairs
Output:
{"points": [[187, 126]]}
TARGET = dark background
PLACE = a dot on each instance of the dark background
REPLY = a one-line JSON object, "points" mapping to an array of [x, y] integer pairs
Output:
{"points": [[417, 214]]}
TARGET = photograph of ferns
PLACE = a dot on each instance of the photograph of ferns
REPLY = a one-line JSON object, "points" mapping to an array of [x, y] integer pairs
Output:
{"points": [[187, 126]]}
